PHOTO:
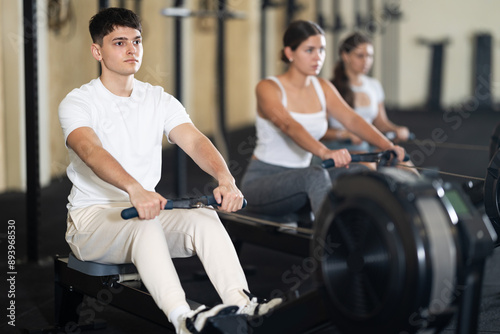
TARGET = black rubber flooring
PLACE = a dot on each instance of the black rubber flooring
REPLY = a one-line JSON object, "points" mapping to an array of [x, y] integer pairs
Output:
{"points": [[456, 143]]}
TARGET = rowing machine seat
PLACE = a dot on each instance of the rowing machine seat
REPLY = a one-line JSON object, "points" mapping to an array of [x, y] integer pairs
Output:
{"points": [[100, 269]]}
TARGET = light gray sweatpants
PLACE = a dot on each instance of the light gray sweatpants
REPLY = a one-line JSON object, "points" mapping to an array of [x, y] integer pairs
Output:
{"points": [[98, 233], [276, 190]]}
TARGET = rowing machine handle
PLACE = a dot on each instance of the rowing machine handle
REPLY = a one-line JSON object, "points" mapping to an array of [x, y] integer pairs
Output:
{"points": [[206, 200], [391, 135], [328, 163]]}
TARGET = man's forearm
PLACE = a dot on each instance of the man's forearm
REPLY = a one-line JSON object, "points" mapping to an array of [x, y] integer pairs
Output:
{"points": [[211, 161], [107, 168]]}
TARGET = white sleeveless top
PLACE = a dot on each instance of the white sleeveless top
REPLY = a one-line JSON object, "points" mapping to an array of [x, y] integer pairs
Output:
{"points": [[372, 88], [276, 148]]}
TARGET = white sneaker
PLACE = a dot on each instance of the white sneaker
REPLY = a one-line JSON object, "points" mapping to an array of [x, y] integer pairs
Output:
{"points": [[194, 321], [258, 306]]}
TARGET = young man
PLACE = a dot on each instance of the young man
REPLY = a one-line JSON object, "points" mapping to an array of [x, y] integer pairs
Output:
{"points": [[113, 128]]}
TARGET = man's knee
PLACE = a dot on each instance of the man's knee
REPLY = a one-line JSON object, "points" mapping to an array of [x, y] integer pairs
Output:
{"points": [[206, 219], [211, 219]]}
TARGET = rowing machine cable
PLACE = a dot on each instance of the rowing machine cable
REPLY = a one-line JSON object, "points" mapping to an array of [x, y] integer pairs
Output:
{"points": [[442, 172]]}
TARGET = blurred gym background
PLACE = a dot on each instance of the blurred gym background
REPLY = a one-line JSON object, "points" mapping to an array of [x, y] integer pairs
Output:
{"points": [[437, 61], [453, 43]]}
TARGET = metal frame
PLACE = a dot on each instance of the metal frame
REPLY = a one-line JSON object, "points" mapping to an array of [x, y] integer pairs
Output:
{"points": [[72, 285], [33, 188], [180, 156]]}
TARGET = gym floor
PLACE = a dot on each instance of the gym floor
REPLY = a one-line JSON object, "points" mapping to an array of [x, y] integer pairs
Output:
{"points": [[266, 268]]}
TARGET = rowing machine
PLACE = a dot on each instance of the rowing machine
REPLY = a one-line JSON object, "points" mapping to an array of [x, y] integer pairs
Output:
{"points": [[404, 253], [76, 279], [118, 285], [407, 255], [411, 252], [275, 232]]}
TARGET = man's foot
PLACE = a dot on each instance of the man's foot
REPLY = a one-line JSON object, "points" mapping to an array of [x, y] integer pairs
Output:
{"points": [[195, 320], [258, 306]]}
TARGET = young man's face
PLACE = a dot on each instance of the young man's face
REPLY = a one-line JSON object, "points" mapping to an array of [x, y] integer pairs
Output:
{"points": [[121, 51]]}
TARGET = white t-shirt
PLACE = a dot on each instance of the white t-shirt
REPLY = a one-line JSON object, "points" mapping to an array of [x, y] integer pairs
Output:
{"points": [[371, 93], [130, 129], [276, 148]]}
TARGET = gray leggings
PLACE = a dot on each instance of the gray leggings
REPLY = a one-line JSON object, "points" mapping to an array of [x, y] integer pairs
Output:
{"points": [[275, 190]]}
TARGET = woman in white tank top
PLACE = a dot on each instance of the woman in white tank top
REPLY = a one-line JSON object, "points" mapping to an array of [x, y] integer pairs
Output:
{"points": [[361, 92], [291, 118]]}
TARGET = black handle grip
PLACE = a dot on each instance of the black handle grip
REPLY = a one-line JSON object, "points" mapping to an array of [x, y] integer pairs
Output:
{"points": [[178, 203], [391, 135], [328, 163], [362, 157], [129, 213]]}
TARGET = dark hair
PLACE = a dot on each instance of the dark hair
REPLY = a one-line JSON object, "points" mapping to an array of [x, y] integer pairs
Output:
{"points": [[340, 79], [296, 33], [104, 22]]}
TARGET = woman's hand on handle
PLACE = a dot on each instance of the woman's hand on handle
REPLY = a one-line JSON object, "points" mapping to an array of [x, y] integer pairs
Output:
{"points": [[402, 134], [341, 157], [400, 152]]}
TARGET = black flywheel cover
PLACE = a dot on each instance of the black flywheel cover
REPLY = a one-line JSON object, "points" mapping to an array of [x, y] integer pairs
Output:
{"points": [[377, 261]]}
